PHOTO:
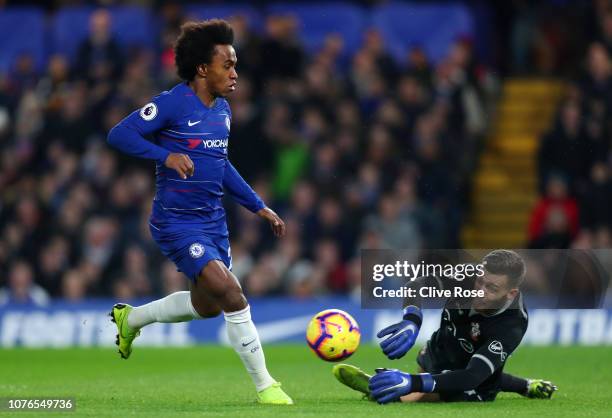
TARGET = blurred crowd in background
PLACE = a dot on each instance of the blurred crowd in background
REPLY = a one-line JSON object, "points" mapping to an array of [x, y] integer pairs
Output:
{"points": [[353, 152], [575, 207]]}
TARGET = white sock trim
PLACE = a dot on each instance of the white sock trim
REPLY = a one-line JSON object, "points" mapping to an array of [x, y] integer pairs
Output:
{"points": [[238, 317]]}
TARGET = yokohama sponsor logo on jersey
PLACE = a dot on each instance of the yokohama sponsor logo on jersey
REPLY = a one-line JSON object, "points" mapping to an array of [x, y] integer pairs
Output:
{"points": [[208, 143], [215, 143]]}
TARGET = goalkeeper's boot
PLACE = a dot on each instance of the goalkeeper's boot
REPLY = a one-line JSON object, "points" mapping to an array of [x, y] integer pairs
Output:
{"points": [[353, 377], [540, 389], [125, 334], [274, 395]]}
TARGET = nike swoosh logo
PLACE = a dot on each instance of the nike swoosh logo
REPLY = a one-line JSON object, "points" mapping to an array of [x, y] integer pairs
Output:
{"points": [[244, 345], [193, 123], [401, 384], [409, 327]]}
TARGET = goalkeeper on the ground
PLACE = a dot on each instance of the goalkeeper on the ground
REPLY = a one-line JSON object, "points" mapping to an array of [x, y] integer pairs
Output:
{"points": [[464, 359]]}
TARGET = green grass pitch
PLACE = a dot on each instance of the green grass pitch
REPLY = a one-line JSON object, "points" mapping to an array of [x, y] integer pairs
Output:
{"points": [[210, 381]]}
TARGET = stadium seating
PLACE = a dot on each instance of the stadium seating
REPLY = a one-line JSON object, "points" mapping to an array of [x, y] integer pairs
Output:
{"points": [[22, 30], [133, 26], [432, 27], [69, 27], [225, 11], [318, 20]]}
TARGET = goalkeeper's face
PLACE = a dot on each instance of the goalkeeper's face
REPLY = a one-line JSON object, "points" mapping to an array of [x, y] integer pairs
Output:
{"points": [[497, 289]]}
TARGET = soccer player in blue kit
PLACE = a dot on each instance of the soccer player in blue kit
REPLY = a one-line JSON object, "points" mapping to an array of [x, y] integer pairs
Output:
{"points": [[185, 131]]}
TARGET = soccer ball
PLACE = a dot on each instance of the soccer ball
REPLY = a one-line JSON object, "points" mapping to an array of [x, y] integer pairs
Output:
{"points": [[333, 335]]}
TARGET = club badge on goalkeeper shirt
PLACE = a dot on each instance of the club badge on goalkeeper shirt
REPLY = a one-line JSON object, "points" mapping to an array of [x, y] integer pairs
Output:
{"points": [[475, 331]]}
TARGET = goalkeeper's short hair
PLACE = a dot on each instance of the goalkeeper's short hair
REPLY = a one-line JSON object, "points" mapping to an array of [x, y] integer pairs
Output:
{"points": [[506, 262]]}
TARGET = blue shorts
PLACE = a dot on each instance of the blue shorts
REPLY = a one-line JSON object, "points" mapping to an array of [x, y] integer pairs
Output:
{"points": [[192, 249]]}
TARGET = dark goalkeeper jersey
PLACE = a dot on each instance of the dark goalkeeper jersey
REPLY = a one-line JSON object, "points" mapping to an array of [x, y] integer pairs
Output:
{"points": [[465, 334]]}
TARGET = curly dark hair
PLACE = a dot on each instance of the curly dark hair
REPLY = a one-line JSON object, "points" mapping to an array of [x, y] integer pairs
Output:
{"points": [[196, 44]]}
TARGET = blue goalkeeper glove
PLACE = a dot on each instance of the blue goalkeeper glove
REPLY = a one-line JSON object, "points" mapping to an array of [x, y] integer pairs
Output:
{"points": [[401, 336], [389, 385]]}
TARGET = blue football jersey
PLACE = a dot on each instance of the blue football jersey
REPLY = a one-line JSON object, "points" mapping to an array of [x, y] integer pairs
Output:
{"points": [[177, 121]]}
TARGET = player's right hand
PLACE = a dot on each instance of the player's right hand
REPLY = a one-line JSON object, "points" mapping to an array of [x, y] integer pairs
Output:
{"points": [[389, 385], [181, 163], [401, 336]]}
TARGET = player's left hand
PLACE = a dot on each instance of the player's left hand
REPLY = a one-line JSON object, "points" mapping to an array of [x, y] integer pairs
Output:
{"points": [[389, 385], [401, 336], [276, 223]]}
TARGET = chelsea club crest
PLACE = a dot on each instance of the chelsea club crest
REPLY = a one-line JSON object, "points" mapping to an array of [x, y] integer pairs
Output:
{"points": [[196, 250]]}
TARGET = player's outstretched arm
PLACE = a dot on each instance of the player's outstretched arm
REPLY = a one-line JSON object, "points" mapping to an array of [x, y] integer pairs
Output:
{"points": [[401, 336], [131, 142], [389, 385], [129, 135], [240, 190]]}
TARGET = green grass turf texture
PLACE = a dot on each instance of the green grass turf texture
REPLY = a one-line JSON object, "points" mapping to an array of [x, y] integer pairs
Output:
{"points": [[209, 380]]}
